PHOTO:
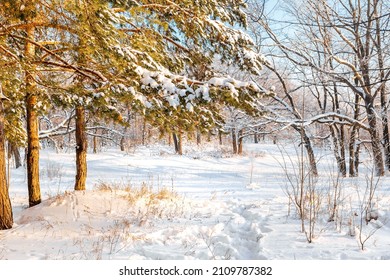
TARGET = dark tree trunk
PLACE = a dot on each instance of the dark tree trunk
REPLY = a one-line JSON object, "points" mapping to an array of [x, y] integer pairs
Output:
{"points": [[122, 143], [81, 150], [220, 137], [198, 138], [353, 147], [175, 142], [240, 142], [309, 149], [144, 132], [375, 141], [353, 152], [123, 140], [338, 149], [337, 133], [180, 140], [13, 151], [6, 217], [234, 141]]}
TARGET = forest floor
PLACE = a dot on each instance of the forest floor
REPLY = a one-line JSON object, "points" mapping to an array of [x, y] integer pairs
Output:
{"points": [[207, 204]]}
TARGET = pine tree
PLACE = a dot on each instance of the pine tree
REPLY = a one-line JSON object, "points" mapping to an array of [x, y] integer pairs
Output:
{"points": [[103, 56], [6, 217]]}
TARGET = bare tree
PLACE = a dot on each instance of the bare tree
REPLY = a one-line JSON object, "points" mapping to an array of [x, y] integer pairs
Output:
{"points": [[351, 64]]}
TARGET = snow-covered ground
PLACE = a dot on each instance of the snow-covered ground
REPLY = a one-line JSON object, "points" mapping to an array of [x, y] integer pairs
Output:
{"points": [[152, 204]]}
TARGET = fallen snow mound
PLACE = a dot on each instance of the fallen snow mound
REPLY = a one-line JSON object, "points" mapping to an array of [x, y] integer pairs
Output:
{"points": [[111, 224]]}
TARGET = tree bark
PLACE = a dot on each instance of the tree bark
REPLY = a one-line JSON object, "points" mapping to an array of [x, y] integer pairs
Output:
{"points": [[144, 132], [353, 148], [383, 95], [81, 150], [95, 143], [6, 216], [240, 142], [309, 149], [375, 141], [198, 138], [175, 142], [13, 151], [180, 140], [122, 143], [234, 141], [338, 149], [34, 191]]}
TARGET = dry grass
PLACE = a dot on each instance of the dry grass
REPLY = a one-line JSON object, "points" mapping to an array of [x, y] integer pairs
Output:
{"points": [[147, 203], [144, 192]]}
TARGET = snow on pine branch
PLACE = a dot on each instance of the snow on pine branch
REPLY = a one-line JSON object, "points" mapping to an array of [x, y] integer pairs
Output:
{"points": [[239, 43], [173, 87]]}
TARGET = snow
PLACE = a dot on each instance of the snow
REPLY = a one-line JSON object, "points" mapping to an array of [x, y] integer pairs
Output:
{"points": [[151, 204]]}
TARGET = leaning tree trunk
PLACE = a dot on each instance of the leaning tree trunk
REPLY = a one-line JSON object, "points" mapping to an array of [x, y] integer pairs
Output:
{"points": [[34, 191], [81, 150], [309, 149], [6, 218]]}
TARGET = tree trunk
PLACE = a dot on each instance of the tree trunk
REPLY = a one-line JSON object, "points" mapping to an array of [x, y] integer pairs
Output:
{"points": [[352, 152], [338, 150], [385, 128], [81, 150], [240, 142], [34, 191], [95, 143], [309, 149], [122, 144], [383, 95], [6, 217], [220, 137], [198, 138], [13, 151], [375, 141], [337, 132], [123, 140], [180, 140], [234, 141], [353, 148], [144, 132], [175, 142]]}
